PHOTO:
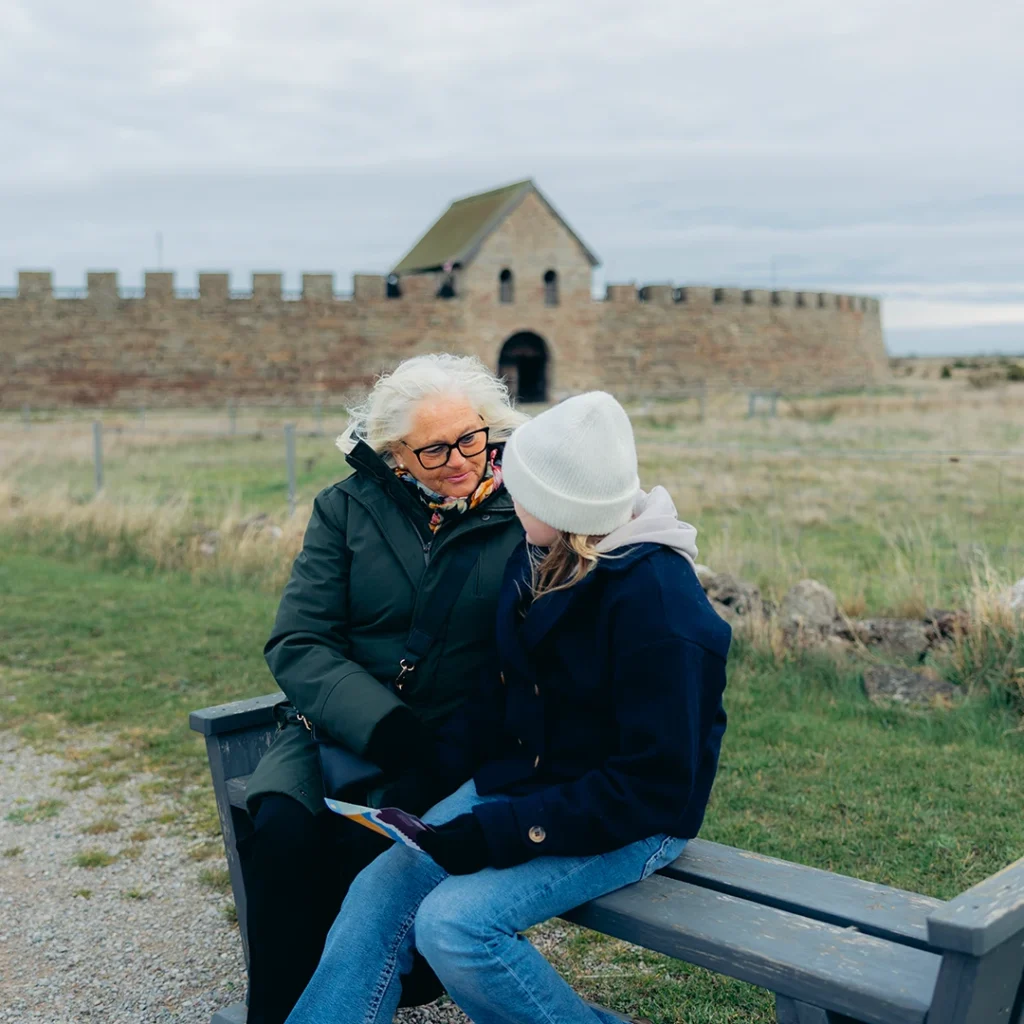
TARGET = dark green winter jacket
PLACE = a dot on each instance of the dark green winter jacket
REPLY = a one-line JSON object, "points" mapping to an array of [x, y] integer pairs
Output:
{"points": [[367, 559]]}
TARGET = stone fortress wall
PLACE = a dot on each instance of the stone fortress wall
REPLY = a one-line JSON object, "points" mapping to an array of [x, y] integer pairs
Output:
{"points": [[160, 348], [104, 345]]}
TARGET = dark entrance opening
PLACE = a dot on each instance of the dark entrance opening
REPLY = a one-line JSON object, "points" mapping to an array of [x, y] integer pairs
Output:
{"points": [[524, 365]]}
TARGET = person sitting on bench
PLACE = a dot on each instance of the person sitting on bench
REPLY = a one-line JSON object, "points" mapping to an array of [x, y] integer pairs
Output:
{"points": [[590, 747], [408, 549]]}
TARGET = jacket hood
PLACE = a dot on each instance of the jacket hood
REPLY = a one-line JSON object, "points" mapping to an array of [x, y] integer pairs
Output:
{"points": [[655, 521]]}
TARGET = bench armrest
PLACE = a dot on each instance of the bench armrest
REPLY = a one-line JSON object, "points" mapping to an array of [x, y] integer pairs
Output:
{"points": [[239, 714], [980, 919]]}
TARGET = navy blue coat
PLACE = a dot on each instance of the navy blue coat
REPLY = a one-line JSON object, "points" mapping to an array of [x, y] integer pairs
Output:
{"points": [[603, 721]]}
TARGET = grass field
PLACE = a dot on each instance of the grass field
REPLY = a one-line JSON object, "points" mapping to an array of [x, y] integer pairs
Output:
{"points": [[115, 623], [894, 499]]}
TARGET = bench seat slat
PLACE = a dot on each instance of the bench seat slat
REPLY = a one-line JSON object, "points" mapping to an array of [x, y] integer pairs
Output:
{"points": [[838, 969], [893, 914]]}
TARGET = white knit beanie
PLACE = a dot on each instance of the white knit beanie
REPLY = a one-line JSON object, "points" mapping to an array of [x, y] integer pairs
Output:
{"points": [[574, 466]]}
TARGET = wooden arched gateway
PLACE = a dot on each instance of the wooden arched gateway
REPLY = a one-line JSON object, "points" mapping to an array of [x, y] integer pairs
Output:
{"points": [[523, 363]]}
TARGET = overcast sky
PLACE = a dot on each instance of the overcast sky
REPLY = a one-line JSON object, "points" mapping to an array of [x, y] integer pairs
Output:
{"points": [[867, 147]]}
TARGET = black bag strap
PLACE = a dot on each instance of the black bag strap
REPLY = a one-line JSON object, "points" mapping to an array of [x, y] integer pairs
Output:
{"points": [[433, 609]]}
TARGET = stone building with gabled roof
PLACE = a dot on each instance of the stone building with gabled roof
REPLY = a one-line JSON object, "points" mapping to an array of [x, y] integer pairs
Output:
{"points": [[457, 235], [500, 274]]}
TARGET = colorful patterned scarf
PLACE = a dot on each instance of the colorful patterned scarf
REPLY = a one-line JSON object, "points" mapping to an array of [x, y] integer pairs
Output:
{"points": [[443, 508]]}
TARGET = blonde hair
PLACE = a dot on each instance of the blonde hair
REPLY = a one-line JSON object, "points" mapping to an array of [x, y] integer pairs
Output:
{"points": [[569, 559], [384, 417]]}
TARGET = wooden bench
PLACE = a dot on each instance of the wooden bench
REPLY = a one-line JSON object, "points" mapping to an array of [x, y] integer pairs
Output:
{"points": [[833, 949]]}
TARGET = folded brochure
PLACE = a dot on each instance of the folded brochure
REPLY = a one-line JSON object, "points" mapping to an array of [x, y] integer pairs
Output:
{"points": [[388, 821]]}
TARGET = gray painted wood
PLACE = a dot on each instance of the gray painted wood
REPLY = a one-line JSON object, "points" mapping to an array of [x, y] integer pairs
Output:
{"points": [[240, 752], [234, 755], [239, 714], [835, 950], [980, 990], [230, 831], [983, 917], [792, 1011], [838, 969], [893, 914], [233, 1014]]}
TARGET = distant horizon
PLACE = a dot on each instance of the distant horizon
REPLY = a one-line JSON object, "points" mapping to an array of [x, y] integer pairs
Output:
{"points": [[950, 342]]}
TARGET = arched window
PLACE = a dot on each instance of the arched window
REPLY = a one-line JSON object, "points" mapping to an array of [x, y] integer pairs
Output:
{"points": [[394, 287], [505, 286], [550, 288]]}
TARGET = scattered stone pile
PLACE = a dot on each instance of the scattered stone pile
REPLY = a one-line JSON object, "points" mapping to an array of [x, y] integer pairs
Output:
{"points": [[809, 615]]}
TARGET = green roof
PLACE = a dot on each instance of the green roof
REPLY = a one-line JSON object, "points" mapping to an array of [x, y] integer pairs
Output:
{"points": [[457, 234]]}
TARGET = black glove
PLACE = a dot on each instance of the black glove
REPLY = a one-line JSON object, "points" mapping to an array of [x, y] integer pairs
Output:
{"points": [[458, 846], [399, 742], [414, 791]]}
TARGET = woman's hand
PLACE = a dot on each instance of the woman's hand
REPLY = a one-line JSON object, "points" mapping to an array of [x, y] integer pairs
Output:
{"points": [[458, 846]]}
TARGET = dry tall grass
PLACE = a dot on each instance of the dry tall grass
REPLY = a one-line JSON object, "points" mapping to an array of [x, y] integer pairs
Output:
{"points": [[899, 502], [893, 499], [164, 537]]}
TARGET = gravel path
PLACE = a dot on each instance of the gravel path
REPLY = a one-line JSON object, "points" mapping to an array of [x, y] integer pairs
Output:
{"points": [[139, 940]]}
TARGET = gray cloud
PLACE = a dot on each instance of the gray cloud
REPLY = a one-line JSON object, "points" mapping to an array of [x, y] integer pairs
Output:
{"points": [[812, 144]]}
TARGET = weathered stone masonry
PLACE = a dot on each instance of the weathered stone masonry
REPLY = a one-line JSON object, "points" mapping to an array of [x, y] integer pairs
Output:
{"points": [[172, 348]]}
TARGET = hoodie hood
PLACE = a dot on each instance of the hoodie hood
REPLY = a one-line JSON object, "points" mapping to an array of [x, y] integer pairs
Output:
{"points": [[655, 521]]}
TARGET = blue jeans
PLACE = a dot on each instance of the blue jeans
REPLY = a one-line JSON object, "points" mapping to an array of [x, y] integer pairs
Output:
{"points": [[469, 929]]}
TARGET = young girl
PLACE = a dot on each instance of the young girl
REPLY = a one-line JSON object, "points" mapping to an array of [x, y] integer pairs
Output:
{"points": [[590, 749]]}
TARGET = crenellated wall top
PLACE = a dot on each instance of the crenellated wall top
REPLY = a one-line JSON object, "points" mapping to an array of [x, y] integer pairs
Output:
{"points": [[214, 288]]}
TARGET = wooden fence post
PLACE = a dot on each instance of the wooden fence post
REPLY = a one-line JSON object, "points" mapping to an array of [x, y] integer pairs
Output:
{"points": [[97, 453], [289, 454]]}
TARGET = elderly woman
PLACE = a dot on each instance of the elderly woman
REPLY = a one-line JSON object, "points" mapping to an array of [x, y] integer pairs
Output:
{"points": [[424, 496]]}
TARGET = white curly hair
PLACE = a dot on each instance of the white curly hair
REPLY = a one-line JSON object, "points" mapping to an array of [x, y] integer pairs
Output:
{"points": [[385, 416]]}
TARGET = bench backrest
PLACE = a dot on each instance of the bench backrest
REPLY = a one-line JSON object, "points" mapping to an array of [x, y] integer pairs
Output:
{"points": [[981, 932]]}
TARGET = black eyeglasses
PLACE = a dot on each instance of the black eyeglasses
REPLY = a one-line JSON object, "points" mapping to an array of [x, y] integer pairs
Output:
{"points": [[434, 456]]}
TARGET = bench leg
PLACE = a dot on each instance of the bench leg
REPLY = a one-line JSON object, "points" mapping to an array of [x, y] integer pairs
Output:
{"points": [[233, 1014], [792, 1011]]}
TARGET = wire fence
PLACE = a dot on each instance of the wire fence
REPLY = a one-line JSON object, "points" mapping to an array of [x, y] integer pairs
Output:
{"points": [[775, 497]]}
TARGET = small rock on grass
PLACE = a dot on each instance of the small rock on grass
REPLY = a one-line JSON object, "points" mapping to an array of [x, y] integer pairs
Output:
{"points": [[911, 687], [732, 598], [809, 611], [946, 625], [900, 638]]}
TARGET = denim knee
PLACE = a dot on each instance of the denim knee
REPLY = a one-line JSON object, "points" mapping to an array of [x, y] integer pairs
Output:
{"points": [[447, 931], [380, 875]]}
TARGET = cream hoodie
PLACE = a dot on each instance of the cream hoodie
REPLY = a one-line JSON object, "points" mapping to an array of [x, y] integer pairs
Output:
{"points": [[655, 521]]}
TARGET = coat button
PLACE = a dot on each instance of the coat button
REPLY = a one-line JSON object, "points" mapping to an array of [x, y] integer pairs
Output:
{"points": [[536, 761], [484, 519], [537, 834]]}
